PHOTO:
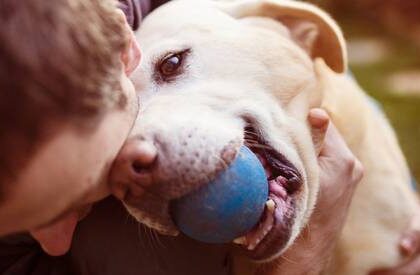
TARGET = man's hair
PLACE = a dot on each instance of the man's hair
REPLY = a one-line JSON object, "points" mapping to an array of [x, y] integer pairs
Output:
{"points": [[59, 61]]}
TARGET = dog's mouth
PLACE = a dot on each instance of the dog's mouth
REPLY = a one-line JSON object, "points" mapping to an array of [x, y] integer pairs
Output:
{"points": [[273, 231]]}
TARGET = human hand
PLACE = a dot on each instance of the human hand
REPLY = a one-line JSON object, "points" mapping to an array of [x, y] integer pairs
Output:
{"points": [[410, 248], [340, 172]]}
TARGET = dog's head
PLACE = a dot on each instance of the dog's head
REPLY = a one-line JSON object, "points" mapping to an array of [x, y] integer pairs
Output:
{"points": [[216, 75]]}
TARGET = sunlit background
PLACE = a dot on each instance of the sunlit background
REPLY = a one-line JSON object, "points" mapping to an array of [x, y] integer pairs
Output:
{"points": [[384, 51]]}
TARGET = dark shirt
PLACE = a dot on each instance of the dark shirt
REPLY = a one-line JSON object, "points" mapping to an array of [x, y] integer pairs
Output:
{"points": [[134, 10], [21, 255], [109, 242]]}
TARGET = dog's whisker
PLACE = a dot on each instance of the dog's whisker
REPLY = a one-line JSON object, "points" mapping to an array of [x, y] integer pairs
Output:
{"points": [[288, 260], [156, 236], [148, 234], [142, 237], [153, 242], [127, 218], [159, 240]]}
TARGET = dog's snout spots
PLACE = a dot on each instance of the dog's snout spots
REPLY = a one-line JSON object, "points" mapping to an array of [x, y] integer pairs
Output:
{"points": [[205, 161]]}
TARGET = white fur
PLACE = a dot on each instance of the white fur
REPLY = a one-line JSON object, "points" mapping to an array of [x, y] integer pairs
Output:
{"points": [[244, 64]]}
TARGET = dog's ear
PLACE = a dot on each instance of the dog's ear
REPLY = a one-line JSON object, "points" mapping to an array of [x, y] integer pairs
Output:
{"points": [[309, 26]]}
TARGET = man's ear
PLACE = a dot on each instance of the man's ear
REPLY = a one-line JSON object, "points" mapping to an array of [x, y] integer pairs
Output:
{"points": [[309, 26], [130, 57]]}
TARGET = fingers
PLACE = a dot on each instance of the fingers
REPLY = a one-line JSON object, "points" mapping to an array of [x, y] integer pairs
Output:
{"points": [[319, 121], [336, 161], [357, 171], [410, 241], [409, 244], [335, 146], [410, 248]]}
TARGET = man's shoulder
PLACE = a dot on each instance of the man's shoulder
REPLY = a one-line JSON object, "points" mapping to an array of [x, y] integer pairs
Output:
{"points": [[20, 254]]}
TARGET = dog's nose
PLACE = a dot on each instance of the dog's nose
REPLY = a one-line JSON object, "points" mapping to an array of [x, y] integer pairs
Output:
{"points": [[131, 170]]}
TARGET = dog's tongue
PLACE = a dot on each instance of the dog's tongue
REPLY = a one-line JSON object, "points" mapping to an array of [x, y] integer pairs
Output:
{"points": [[55, 239]]}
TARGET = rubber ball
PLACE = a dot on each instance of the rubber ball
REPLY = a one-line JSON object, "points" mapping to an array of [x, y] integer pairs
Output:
{"points": [[228, 206]]}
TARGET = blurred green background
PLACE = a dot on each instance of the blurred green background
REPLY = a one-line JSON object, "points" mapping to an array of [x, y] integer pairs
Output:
{"points": [[384, 52]]}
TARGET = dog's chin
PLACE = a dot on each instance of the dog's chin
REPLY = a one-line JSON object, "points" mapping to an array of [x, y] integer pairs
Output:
{"points": [[274, 230]]}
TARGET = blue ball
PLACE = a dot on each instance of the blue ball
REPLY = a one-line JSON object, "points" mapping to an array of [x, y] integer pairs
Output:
{"points": [[227, 207]]}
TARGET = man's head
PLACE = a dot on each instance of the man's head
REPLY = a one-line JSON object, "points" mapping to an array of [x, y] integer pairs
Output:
{"points": [[66, 105]]}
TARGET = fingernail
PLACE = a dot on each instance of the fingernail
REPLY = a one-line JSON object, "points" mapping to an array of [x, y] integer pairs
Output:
{"points": [[318, 117], [407, 245], [318, 113]]}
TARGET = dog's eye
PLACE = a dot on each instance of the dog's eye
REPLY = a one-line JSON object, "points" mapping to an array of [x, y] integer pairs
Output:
{"points": [[170, 66]]}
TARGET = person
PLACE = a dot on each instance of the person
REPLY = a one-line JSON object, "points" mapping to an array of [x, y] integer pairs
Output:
{"points": [[66, 107]]}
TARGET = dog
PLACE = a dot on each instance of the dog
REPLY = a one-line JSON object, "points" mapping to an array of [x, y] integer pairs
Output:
{"points": [[219, 74]]}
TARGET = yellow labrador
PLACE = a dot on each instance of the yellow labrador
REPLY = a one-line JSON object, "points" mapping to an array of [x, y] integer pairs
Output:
{"points": [[218, 74]]}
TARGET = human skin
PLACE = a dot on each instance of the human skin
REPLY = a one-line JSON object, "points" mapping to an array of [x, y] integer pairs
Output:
{"points": [[69, 172], [340, 172], [410, 247]]}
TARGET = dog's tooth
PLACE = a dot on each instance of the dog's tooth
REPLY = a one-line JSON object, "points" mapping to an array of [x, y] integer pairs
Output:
{"points": [[270, 204], [240, 240], [251, 246], [266, 231]]}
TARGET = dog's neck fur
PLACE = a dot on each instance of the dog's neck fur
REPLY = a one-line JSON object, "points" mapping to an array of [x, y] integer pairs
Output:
{"points": [[386, 174]]}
